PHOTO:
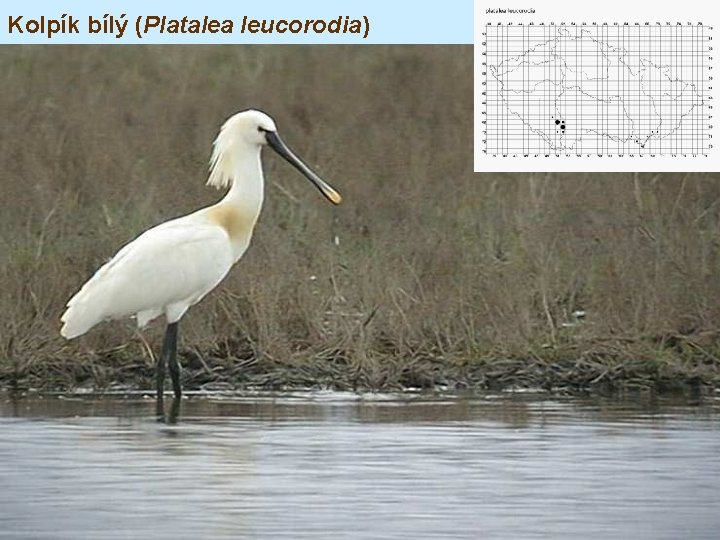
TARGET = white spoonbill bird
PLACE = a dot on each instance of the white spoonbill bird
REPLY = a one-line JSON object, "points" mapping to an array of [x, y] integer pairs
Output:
{"points": [[172, 266]]}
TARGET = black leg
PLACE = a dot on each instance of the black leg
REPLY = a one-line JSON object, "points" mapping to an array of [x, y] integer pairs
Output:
{"points": [[170, 351], [174, 411], [160, 383]]}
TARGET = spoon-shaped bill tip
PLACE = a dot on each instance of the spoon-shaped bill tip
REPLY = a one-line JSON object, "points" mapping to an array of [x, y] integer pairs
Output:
{"points": [[332, 195]]}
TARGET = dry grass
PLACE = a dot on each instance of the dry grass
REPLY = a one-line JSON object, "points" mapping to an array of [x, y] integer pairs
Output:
{"points": [[440, 276]]}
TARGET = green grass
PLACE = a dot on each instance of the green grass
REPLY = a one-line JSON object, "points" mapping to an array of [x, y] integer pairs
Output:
{"points": [[439, 276]]}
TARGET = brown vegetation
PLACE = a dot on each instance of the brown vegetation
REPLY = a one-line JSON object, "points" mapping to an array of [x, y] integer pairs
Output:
{"points": [[428, 274]]}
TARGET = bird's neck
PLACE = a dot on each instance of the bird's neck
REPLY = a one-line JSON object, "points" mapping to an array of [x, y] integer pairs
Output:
{"points": [[238, 211], [248, 186]]}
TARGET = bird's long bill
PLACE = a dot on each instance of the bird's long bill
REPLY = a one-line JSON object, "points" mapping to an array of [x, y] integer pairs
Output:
{"points": [[277, 144]]}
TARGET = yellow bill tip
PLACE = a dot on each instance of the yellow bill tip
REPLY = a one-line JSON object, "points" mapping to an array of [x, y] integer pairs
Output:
{"points": [[334, 197]]}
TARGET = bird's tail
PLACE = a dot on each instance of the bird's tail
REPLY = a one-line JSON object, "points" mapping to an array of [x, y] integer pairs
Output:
{"points": [[81, 313], [75, 322]]}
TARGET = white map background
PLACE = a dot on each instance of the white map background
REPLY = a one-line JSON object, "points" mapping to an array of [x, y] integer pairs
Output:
{"points": [[614, 89]]}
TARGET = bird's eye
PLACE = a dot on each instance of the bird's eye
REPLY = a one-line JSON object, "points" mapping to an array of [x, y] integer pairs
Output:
{"points": [[261, 129]]}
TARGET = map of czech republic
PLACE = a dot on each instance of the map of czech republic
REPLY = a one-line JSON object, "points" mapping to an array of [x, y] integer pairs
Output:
{"points": [[609, 89]]}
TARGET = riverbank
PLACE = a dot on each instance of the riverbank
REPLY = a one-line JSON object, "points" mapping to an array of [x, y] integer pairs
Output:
{"points": [[680, 363]]}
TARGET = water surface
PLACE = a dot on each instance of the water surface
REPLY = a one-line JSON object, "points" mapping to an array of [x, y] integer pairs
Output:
{"points": [[341, 466]]}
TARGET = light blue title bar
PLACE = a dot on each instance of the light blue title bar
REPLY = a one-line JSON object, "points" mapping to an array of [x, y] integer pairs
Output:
{"points": [[311, 21]]}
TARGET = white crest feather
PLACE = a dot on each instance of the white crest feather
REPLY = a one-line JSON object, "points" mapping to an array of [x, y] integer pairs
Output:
{"points": [[221, 160]]}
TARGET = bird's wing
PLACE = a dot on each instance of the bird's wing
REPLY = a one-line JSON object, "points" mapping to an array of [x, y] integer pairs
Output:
{"points": [[171, 266]]}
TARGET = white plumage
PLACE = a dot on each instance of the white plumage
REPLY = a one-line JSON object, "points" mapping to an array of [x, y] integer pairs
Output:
{"points": [[165, 270], [174, 265]]}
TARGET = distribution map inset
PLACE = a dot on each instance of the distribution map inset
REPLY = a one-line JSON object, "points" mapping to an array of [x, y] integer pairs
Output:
{"points": [[615, 89]]}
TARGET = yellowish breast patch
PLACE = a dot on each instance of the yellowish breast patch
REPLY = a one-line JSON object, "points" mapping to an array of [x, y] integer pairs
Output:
{"points": [[237, 226]]}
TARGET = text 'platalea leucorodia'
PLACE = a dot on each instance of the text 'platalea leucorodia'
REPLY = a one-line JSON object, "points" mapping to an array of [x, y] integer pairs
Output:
{"points": [[174, 265]]}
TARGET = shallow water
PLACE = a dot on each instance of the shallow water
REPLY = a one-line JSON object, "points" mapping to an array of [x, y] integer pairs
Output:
{"points": [[333, 465]]}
